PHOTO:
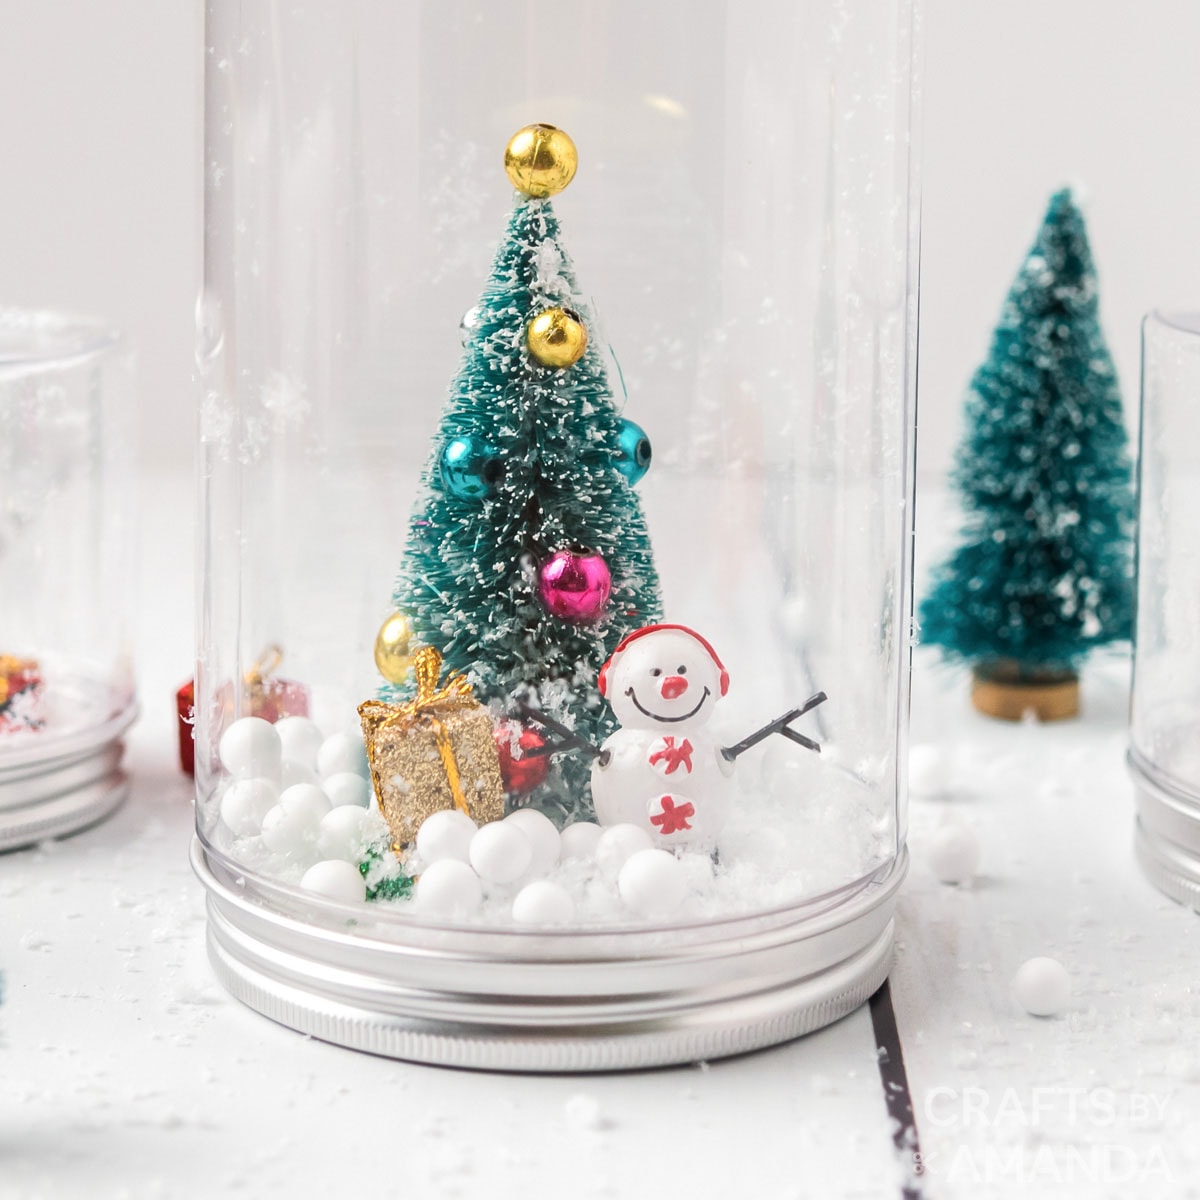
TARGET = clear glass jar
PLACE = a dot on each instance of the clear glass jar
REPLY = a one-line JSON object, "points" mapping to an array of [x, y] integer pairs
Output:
{"points": [[67, 457], [1164, 753], [743, 233]]}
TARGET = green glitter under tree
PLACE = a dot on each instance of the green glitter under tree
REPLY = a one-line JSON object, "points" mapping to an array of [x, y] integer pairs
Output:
{"points": [[1043, 573], [542, 467]]}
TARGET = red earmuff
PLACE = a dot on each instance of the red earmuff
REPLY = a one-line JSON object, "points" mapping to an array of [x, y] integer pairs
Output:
{"points": [[602, 682]]}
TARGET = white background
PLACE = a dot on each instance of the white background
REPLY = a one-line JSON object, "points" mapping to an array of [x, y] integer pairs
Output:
{"points": [[100, 205]]}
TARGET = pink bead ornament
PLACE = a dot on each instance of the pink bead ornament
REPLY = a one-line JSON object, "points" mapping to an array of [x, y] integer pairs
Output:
{"points": [[575, 587]]}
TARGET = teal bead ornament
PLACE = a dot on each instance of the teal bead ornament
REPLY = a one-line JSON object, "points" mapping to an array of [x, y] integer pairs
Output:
{"points": [[633, 451], [470, 467]]}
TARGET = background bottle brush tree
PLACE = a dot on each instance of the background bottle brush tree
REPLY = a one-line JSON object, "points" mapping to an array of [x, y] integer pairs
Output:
{"points": [[530, 461], [1043, 572]]}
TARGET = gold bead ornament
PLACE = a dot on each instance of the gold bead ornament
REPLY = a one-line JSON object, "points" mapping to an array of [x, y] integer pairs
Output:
{"points": [[556, 338], [393, 645], [540, 160]]}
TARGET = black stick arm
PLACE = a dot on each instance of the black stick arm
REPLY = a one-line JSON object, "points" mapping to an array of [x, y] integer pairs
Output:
{"points": [[570, 740], [779, 725], [731, 752], [801, 740]]}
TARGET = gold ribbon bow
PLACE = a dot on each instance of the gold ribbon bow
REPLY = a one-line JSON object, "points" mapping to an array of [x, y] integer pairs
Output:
{"points": [[266, 666], [454, 694]]}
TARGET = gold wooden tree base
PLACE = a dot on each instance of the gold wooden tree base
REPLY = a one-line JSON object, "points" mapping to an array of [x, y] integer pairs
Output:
{"points": [[1053, 699]]}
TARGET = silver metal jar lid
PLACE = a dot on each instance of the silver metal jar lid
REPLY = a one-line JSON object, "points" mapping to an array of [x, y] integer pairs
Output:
{"points": [[61, 802], [57, 785], [584, 1000], [1167, 840]]}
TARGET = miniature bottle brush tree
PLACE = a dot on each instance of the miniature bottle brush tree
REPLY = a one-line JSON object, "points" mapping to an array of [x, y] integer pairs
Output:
{"points": [[528, 557], [1043, 571]]}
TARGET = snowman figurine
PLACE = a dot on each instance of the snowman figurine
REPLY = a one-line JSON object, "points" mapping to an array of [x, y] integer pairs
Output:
{"points": [[662, 770]]}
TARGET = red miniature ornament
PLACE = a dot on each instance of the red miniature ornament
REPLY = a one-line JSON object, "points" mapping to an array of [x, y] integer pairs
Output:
{"points": [[521, 770], [264, 694], [185, 712]]}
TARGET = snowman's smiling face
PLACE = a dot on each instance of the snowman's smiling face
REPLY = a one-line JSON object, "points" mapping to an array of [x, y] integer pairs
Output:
{"points": [[665, 680]]}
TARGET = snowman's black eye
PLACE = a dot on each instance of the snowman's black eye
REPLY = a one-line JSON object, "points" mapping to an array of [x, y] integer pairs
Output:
{"points": [[656, 671], [683, 670]]}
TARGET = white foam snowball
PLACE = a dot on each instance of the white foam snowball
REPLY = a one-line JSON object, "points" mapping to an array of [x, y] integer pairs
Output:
{"points": [[543, 903], [342, 752], [335, 879], [617, 844], [583, 1113], [653, 883], [305, 799], [250, 748], [500, 852], [245, 803], [1042, 987], [301, 739], [544, 839], [446, 834], [579, 840], [928, 771], [292, 773], [348, 788], [292, 833], [954, 853], [448, 888], [346, 831]]}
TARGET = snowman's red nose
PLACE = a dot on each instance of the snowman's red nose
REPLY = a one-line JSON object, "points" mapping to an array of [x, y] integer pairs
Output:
{"points": [[673, 687]]}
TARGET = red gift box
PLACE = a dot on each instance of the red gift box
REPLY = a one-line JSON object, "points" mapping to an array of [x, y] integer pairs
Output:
{"points": [[20, 694], [269, 696]]}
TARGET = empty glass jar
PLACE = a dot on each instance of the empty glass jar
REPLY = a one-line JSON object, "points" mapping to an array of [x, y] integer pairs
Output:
{"points": [[66, 569], [556, 370], [1164, 753]]}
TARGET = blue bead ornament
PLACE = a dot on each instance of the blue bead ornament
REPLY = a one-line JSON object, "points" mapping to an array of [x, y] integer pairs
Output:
{"points": [[633, 451], [471, 468]]}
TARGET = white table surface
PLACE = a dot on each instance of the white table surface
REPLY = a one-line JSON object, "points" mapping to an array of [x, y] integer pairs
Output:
{"points": [[125, 1070]]}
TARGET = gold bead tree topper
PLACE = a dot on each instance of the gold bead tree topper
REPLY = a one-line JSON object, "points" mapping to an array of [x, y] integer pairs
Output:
{"points": [[540, 160]]}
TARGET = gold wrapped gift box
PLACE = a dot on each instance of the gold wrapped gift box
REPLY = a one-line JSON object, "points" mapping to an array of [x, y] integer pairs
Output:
{"points": [[434, 752]]}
